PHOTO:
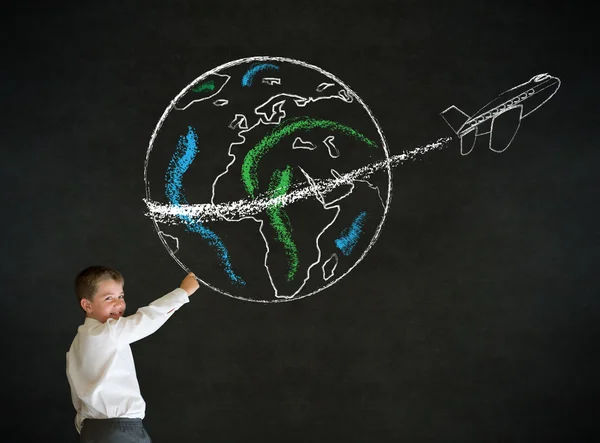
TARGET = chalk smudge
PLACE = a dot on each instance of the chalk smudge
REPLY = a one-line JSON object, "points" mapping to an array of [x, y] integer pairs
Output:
{"points": [[206, 86], [187, 148], [280, 183], [253, 70], [350, 236], [286, 128]]}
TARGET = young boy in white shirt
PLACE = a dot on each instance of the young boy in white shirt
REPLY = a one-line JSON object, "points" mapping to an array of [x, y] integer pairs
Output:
{"points": [[100, 367]]}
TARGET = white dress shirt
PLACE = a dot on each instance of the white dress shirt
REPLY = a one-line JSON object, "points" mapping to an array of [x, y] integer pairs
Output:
{"points": [[100, 366]]}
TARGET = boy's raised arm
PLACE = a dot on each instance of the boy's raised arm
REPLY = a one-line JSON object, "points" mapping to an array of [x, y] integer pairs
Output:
{"points": [[149, 318]]}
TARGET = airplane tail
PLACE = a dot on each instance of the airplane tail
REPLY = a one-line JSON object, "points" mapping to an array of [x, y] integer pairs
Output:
{"points": [[454, 117]]}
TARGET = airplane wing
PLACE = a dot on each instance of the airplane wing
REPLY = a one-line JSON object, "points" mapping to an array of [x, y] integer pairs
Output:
{"points": [[504, 129]]}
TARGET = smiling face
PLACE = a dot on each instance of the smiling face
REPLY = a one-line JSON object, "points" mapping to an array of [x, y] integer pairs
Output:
{"points": [[108, 301]]}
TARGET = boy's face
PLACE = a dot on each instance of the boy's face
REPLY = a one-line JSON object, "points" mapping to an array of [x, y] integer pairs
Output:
{"points": [[108, 301]]}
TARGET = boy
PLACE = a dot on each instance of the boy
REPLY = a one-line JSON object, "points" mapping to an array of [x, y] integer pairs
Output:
{"points": [[100, 367]]}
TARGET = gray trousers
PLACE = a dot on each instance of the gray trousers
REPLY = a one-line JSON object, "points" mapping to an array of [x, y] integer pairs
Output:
{"points": [[114, 430]]}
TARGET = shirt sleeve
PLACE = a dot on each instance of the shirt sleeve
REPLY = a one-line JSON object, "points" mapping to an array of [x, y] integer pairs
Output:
{"points": [[147, 319], [74, 398]]}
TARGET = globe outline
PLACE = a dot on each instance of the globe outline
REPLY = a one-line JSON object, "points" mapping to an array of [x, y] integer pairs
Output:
{"points": [[327, 74]]}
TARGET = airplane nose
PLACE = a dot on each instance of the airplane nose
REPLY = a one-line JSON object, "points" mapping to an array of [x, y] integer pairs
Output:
{"points": [[540, 77]]}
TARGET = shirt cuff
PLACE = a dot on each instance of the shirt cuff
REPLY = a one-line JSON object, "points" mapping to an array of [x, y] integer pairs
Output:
{"points": [[181, 295]]}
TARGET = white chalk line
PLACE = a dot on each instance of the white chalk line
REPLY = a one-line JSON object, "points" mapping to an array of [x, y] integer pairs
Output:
{"points": [[240, 209]]}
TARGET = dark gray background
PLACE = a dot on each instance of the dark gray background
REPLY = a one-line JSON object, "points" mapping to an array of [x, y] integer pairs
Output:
{"points": [[473, 319]]}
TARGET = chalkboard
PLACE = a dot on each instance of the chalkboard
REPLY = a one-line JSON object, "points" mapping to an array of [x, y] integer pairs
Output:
{"points": [[391, 206]]}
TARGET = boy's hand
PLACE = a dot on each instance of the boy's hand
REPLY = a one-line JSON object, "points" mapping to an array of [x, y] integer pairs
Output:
{"points": [[189, 284]]}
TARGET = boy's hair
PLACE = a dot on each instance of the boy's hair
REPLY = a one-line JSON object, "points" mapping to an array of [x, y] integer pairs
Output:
{"points": [[87, 280]]}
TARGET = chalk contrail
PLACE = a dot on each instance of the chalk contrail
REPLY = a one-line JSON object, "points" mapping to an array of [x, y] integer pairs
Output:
{"points": [[237, 210]]}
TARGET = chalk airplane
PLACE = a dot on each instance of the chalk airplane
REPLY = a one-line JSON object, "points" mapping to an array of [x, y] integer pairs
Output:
{"points": [[501, 118]]}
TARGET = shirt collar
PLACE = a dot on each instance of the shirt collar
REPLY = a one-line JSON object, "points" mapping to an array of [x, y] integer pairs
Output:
{"points": [[89, 321]]}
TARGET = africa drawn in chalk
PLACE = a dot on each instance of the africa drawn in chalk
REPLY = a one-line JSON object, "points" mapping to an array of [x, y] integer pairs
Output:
{"points": [[271, 179]]}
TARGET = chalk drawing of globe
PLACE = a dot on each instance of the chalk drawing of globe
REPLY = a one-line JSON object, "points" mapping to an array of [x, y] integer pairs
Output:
{"points": [[253, 179]]}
